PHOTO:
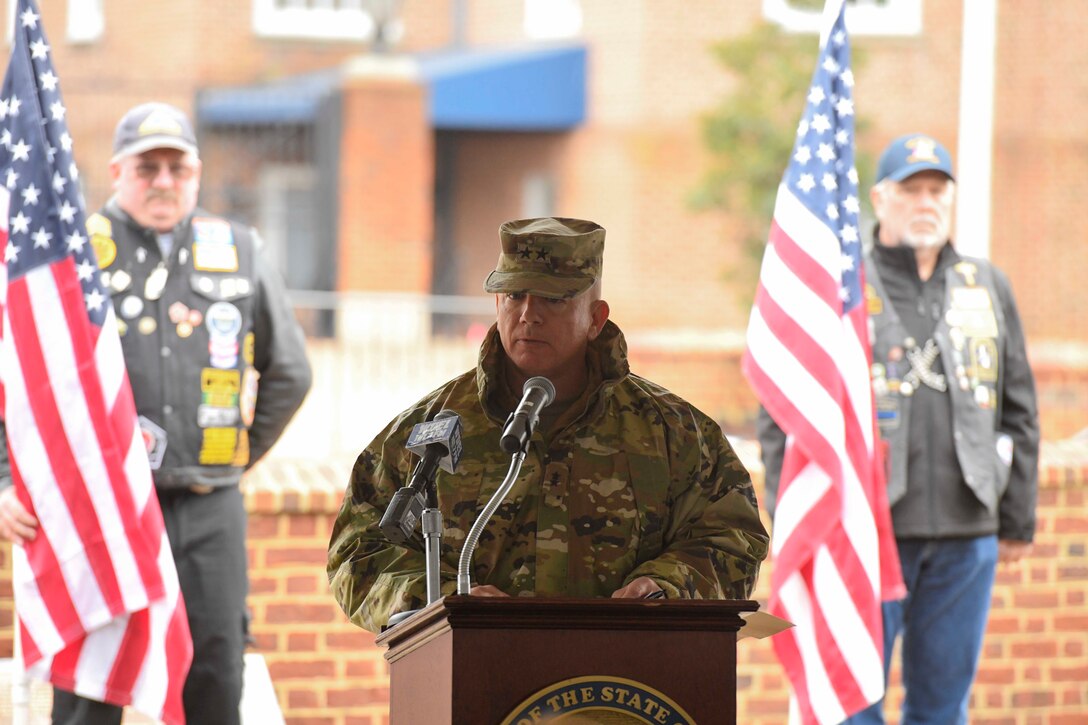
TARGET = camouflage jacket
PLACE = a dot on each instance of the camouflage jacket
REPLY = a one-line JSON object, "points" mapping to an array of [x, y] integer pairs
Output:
{"points": [[640, 484]]}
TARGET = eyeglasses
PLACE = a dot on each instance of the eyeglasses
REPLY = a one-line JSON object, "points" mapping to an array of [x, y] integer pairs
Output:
{"points": [[149, 171]]}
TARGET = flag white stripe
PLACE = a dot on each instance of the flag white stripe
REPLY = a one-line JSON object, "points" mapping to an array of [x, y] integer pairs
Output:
{"points": [[798, 386], [151, 684], [24, 437], [860, 528], [79, 429], [99, 647], [808, 232], [811, 312], [854, 364], [798, 608], [862, 657], [41, 629], [795, 501]]}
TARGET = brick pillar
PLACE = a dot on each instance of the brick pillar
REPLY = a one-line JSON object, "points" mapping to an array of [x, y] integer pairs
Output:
{"points": [[386, 178]]}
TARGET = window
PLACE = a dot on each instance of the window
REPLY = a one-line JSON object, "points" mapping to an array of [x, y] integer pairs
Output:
{"points": [[287, 224], [863, 17], [550, 19], [537, 196], [322, 19], [86, 21]]}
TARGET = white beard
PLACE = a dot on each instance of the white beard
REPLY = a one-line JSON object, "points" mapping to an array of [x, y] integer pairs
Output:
{"points": [[929, 239]]}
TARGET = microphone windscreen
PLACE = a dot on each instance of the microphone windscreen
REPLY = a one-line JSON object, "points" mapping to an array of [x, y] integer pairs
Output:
{"points": [[445, 431]]}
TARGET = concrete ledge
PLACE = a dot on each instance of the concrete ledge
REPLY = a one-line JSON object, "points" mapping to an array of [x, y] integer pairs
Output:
{"points": [[317, 487]]}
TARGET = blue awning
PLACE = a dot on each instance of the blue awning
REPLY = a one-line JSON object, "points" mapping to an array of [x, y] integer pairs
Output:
{"points": [[524, 89], [292, 100]]}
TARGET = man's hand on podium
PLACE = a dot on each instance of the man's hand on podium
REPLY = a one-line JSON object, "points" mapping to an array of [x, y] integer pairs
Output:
{"points": [[640, 588], [486, 590]]}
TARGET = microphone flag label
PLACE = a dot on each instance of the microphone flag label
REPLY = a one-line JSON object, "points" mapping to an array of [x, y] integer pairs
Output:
{"points": [[443, 430]]}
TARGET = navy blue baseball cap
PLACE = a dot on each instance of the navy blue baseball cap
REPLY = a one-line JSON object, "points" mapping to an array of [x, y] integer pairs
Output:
{"points": [[907, 155]]}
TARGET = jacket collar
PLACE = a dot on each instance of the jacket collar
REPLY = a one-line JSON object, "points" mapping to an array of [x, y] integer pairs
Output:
{"points": [[115, 210], [607, 363], [902, 257]]}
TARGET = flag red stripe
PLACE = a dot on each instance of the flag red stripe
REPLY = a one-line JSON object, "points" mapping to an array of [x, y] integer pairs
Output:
{"points": [[179, 653], [97, 604], [112, 447], [818, 365], [838, 671], [788, 653], [808, 360], [54, 592], [130, 657], [29, 648], [65, 664], [809, 272], [69, 479]]}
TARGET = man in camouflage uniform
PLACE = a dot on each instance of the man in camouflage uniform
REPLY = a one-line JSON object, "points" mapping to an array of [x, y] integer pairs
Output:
{"points": [[626, 489]]}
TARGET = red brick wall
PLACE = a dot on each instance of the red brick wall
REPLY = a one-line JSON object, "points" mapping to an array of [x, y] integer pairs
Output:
{"points": [[1034, 665], [324, 669], [386, 183], [328, 672]]}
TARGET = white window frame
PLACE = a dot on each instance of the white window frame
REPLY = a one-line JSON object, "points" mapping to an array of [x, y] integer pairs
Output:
{"points": [[552, 19], [863, 17], [86, 21], [314, 19]]}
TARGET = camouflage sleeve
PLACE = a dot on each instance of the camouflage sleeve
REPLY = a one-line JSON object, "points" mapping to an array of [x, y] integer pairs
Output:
{"points": [[372, 578], [714, 540]]}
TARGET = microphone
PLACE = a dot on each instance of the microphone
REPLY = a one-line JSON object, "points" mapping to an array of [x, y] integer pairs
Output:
{"points": [[438, 443], [537, 394]]}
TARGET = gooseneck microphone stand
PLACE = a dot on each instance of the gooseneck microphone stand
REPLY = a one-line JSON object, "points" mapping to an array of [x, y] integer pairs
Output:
{"points": [[537, 394], [464, 578]]}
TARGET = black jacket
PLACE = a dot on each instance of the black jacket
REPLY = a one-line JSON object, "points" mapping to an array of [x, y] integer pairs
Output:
{"points": [[938, 503]]}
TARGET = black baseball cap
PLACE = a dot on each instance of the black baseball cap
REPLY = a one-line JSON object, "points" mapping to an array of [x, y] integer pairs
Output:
{"points": [[153, 126]]}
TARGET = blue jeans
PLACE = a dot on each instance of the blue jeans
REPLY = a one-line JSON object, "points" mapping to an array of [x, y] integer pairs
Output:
{"points": [[942, 620]]}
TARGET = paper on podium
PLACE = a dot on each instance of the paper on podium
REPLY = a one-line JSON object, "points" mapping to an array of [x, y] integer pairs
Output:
{"points": [[760, 625]]}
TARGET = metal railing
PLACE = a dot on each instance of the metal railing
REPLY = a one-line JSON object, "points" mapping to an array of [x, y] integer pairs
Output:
{"points": [[385, 351]]}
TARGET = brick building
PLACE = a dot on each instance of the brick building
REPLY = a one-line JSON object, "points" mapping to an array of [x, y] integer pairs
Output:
{"points": [[400, 196], [362, 174]]}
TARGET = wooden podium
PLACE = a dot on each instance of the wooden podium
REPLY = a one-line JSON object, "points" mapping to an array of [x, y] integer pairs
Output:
{"points": [[497, 661]]}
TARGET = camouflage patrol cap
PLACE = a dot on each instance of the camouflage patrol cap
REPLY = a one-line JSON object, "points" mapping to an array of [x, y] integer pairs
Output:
{"points": [[548, 257]]}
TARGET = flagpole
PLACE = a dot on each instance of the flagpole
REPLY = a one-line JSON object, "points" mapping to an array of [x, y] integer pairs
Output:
{"points": [[827, 20], [976, 132], [20, 681]]}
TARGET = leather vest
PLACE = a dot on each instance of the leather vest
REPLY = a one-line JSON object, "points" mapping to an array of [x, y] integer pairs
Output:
{"points": [[970, 336], [186, 325]]}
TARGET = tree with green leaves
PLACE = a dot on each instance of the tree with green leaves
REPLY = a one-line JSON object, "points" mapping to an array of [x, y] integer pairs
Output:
{"points": [[750, 136]]}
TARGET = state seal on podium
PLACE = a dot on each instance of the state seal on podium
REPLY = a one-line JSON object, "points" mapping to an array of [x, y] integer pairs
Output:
{"points": [[598, 700]]}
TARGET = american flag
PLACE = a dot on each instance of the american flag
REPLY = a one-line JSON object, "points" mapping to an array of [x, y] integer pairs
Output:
{"points": [[808, 359], [96, 591]]}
